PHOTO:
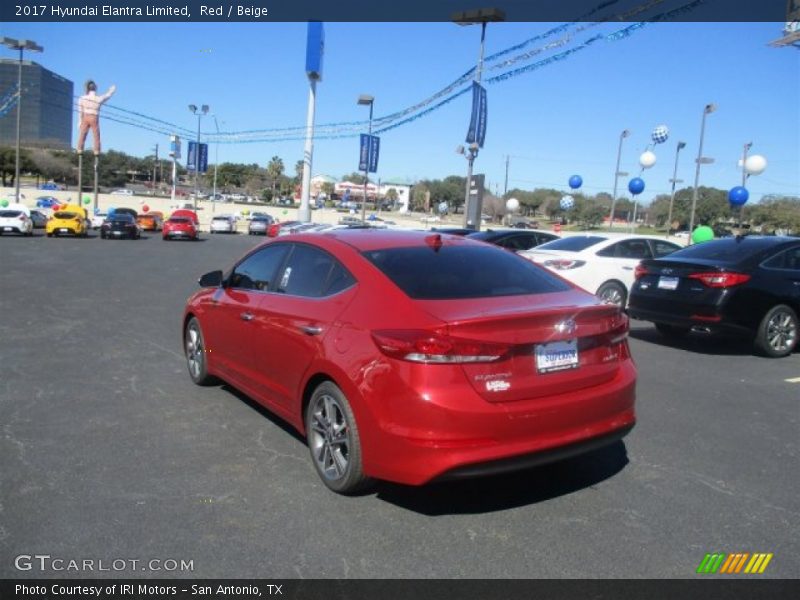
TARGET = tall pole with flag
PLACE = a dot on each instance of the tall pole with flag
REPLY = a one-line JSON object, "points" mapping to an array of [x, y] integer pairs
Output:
{"points": [[315, 49]]}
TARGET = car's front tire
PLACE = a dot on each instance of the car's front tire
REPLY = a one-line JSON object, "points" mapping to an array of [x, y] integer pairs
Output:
{"points": [[777, 333], [194, 349], [334, 441]]}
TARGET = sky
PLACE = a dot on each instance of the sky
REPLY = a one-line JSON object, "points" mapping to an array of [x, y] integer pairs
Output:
{"points": [[559, 120]]}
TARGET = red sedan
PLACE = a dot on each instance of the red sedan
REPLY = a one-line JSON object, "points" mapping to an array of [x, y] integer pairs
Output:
{"points": [[411, 356], [181, 228]]}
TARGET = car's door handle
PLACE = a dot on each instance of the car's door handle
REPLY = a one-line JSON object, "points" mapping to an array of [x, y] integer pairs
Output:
{"points": [[624, 268], [311, 329], [246, 316]]}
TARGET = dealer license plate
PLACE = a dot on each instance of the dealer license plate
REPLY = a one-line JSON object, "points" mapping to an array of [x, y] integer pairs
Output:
{"points": [[668, 283], [63, 230], [557, 356], [8, 229]]}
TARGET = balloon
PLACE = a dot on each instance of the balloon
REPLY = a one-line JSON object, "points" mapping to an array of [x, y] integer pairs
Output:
{"points": [[636, 186], [575, 182], [512, 204], [755, 165], [286, 212], [738, 196], [4, 203], [87, 200], [111, 211], [704, 233], [141, 201], [660, 134], [567, 202], [647, 159], [146, 208]]}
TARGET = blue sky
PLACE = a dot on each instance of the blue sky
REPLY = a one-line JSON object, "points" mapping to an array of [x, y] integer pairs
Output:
{"points": [[562, 119]]}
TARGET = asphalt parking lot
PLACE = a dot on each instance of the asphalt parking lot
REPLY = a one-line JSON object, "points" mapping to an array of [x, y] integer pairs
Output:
{"points": [[107, 450]]}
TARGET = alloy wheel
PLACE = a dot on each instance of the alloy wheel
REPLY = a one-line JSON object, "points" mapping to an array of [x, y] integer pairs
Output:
{"points": [[329, 437]]}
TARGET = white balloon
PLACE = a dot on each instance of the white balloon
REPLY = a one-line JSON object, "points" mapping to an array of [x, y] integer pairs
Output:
{"points": [[755, 165], [647, 159], [512, 204]]}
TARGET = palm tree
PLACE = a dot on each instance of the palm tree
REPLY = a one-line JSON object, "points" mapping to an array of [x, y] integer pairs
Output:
{"points": [[275, 170]]}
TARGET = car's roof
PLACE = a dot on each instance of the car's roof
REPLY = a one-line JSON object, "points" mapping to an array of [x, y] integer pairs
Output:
{"points": [[369, 238]]}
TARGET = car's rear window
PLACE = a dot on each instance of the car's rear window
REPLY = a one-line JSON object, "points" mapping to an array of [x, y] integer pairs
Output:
{"points": [[65, 215], [574, 243], [455, 272], [221, 219], [729, 250], [179, 220], [10, 213]]}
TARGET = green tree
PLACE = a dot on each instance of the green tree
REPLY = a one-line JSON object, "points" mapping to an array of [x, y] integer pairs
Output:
{"points": [[8, 162], [357, 178], [275, 170]]}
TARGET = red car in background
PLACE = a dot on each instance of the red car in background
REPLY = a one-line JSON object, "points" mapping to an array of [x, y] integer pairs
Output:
{"points": [[274, 229], [411, 356], [180, 228]]}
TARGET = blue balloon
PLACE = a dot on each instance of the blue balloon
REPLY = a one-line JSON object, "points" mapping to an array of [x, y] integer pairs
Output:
{"points": [[575, 182], [111, 210], [738, 196], [636, 186]]}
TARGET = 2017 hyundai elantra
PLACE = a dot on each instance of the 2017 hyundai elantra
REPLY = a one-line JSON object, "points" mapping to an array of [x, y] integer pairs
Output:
{"points": [[411, 356]]}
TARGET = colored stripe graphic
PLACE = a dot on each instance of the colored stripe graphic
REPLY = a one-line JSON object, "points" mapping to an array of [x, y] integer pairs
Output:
{"points": [[730, 564]]}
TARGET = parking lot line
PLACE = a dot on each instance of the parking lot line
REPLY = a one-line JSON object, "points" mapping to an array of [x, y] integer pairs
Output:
{"points": [[793, 380]]}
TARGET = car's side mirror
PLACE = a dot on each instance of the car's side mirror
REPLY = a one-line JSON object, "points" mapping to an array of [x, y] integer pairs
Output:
{"points": [[211, 280]]}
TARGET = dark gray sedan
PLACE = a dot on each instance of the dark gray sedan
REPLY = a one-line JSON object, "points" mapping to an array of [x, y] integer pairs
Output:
{"points": [[258, 225]]}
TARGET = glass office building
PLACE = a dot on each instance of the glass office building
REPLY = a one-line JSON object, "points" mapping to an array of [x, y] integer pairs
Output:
{"points": [[47, 106]]}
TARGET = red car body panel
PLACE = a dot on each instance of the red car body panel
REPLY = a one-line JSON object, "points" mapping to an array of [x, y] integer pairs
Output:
{"points": [[419, 421]]}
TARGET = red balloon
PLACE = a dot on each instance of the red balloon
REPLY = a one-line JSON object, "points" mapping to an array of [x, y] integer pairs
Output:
{"points": [[146, 208]]}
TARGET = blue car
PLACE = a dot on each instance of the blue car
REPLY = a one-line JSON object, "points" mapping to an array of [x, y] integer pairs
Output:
{"points": [[46, 202]]}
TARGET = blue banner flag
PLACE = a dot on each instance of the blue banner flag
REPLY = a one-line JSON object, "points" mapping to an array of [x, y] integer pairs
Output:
{"points": [[477, 121], [203, 158], [191, 156], [368, 153]]}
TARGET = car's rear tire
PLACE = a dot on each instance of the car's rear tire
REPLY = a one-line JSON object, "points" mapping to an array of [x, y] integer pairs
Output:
{"points": [[613, 293], [777, 333], [194, 348], [672, 331], [333, 440]]}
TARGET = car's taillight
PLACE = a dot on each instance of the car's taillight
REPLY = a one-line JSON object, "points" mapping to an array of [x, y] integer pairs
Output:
{"points": [[640, 271], [419, 345], [563, 264], [720, 280]]}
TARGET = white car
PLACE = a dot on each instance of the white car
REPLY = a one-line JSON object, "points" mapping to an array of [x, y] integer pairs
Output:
{"points": [[223, 224], [98, 218], [122, 192], [16, 218], [602, 264]]}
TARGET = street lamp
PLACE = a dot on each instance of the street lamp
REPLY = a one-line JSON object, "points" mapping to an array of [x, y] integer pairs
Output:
{"points": [[674, 181], [20, 45], [470, 17], [366, 100], [700, 160], [203, 111], [617, 174]]}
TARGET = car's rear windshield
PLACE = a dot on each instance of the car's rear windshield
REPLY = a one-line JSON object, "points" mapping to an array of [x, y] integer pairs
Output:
{"points": [[179, 220], [222, 219], [574, 243], [455, 272], [10, 213], [65, 215], [123, 218], [729, 250]]}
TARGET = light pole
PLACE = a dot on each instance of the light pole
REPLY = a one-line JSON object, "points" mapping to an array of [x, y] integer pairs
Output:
{"points": [[709, 108], [366, 100], [203, 111], [674, 181], [20, 45], [470, 17], [625, 133]]}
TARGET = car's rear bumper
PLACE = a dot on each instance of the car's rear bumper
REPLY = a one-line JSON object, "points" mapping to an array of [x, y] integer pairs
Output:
{"points": [[710, 321], [420, 439]]}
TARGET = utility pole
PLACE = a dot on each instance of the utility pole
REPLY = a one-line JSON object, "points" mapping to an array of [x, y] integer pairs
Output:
{"points": [[505, 185]]}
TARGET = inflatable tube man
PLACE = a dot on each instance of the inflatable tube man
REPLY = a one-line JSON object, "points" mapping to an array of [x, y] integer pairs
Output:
{"points": [[89, 111]]}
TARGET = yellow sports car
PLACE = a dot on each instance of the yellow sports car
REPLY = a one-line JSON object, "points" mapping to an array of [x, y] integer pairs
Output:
{"points": [[68, 220]]}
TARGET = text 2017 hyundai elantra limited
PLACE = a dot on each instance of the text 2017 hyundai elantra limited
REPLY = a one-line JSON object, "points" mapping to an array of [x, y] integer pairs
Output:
{"points": [[411, 356]]}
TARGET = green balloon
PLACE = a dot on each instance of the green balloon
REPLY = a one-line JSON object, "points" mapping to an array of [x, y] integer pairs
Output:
{"points": [[4, 203], [702, 234], [286, 212], [87, 200]]}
